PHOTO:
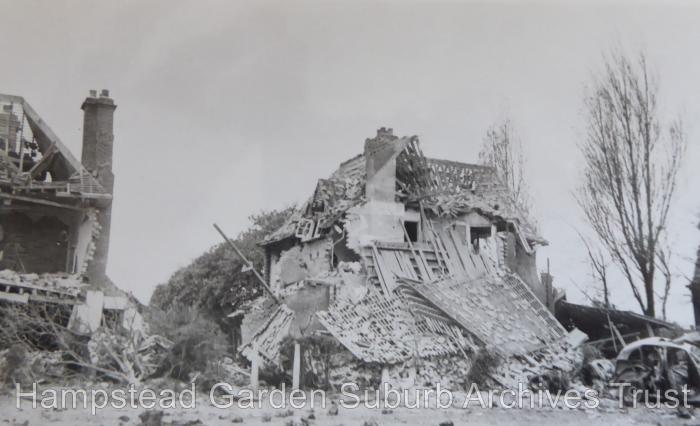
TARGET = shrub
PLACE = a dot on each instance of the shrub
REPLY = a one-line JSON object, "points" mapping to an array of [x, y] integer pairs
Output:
{"points": [[198, 344]]}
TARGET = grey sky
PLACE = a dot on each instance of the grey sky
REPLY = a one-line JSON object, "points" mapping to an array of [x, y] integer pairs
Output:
{"points": [[227, 108]]}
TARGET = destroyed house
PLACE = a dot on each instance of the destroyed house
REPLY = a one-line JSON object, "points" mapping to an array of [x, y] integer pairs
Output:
{"points": [[55, 211], [399, 255]]}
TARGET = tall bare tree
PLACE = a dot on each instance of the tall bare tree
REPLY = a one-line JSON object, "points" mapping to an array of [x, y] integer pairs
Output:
{"points": [[502, 150], [599, 263], [631, 161]]}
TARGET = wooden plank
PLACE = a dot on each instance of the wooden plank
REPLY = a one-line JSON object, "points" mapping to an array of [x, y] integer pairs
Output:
{"points": [[35, 119], [38, 201], [406, 260], [58, 291], [463, 257], [390, 267], [248, 265], [418, 255], [14, 297], [436, 249], [45, 161], [454, 264], [378, 270]]}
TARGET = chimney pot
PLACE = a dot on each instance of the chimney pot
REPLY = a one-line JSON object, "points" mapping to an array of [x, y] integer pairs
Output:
{"points": [[384, 131], [105, 93], [93, 93]]}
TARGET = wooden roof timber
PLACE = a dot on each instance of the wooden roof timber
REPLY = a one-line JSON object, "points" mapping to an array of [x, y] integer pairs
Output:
{"points": [[38, 124], [39, 201]]}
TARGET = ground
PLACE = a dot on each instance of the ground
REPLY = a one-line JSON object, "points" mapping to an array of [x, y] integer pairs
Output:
{"points": [[207, 414]]}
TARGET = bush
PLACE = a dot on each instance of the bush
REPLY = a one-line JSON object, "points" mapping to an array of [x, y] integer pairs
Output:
{"points": [[198, 344], [316, 350], [14, 366]]}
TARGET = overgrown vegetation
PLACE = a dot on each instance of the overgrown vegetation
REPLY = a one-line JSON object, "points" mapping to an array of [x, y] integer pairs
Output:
{"points": [[317, 358], [197, 343], [215, 282]]}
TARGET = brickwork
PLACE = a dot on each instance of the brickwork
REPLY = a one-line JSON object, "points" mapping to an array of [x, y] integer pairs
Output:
{"points": [[33, 245], [98, 142]]}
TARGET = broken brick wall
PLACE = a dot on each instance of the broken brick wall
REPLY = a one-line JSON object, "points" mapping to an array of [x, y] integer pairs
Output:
{"points": [[84, 241], [34, 243], [304, 260], [305, 302], [524, 264], [380, 153], [376, 221]]}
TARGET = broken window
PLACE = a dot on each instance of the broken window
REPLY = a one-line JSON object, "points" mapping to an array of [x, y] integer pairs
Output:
{"points": [[340, 252], [411, 231], [306, 230], [318, 206], [477, 234]]}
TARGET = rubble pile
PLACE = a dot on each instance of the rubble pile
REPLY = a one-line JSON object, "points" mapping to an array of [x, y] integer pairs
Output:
{"points": [[561, 358], [68, 283], [416, 266]]}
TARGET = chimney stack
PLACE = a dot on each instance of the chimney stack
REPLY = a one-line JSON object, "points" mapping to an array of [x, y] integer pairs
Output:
{"points": [[380, 163], [98, 139]]}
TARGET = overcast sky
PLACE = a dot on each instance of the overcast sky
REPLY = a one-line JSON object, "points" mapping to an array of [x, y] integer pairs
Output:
{"points": [[228, 108]]}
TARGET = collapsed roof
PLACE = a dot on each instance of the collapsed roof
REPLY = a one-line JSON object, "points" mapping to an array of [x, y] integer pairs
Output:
{"points": [[35, 166], [437, 293], [444, 187], [448, 286]]}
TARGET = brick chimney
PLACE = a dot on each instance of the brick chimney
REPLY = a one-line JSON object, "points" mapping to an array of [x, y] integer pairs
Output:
{"points": [[380, 154], [98, 138]]}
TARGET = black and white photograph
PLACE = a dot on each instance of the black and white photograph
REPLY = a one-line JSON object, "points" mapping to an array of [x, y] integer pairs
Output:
{"points": [[339, 212]]}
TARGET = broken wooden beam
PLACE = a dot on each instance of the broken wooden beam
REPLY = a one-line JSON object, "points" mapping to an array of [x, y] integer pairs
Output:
{"points": [[248, 264]]}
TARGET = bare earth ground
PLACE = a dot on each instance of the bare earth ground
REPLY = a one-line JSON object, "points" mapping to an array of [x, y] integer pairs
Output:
{"points": [[207, 414]]}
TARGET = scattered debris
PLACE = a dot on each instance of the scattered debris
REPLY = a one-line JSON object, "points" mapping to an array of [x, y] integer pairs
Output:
{"points": [[151, 418], [422, 260], [657, 364]]}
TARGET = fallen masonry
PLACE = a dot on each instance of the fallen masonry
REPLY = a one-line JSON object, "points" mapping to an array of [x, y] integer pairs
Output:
{"points": [[55, 219], [420, 270]]}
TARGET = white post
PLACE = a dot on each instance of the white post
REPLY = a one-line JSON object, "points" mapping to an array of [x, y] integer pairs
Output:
{"points": [[255, 365], [296, 371]]}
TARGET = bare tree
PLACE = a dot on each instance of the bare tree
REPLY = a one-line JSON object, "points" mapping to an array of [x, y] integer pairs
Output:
{"points": [[502, 150], [599, 264], [631, 160]]}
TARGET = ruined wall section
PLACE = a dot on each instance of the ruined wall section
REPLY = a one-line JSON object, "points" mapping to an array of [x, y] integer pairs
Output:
{"points": [[524, 264], [374, 221], [33, 244], [87, 231], [304, 260], [45, 240]]}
